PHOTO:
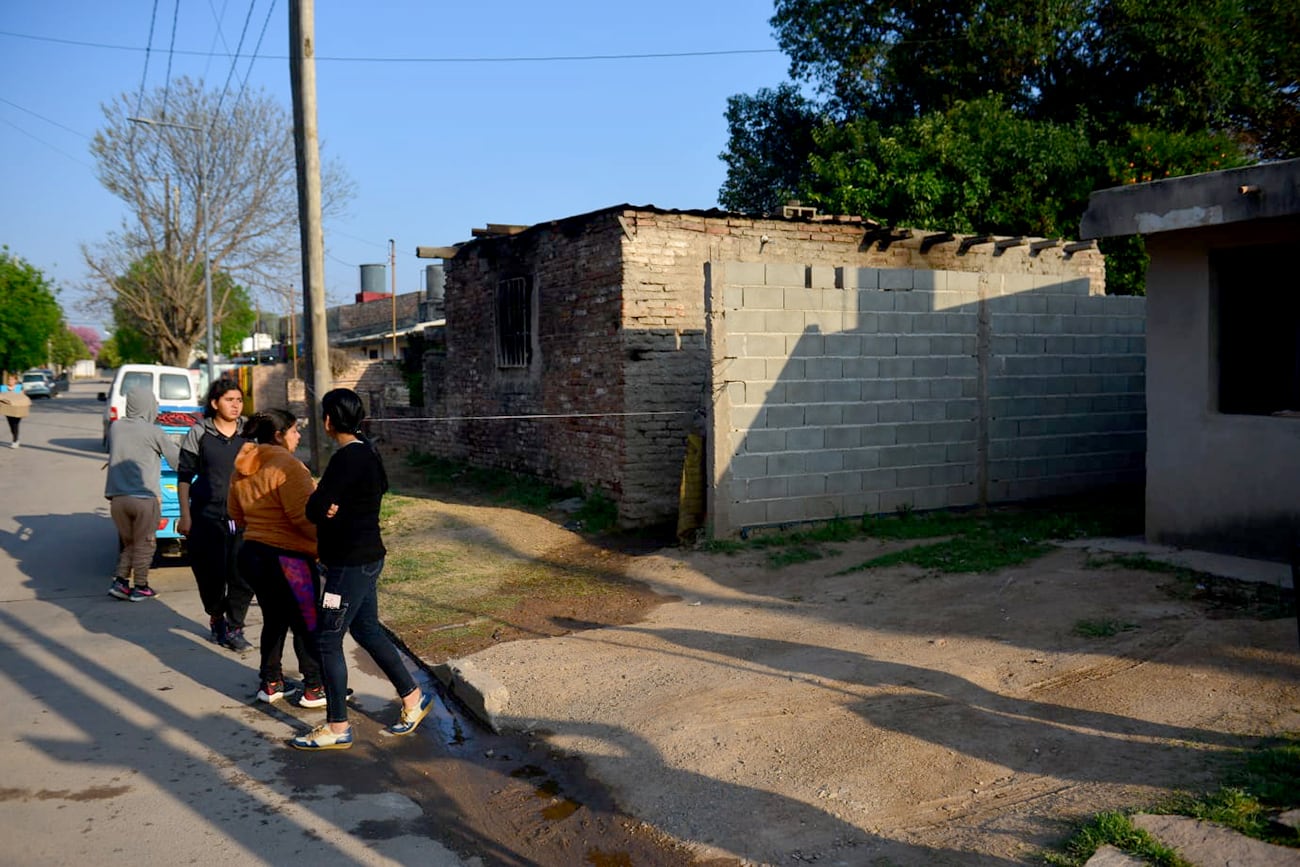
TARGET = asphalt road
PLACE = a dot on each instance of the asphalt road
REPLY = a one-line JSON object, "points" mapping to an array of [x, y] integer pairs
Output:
{"points": [[128, 738]]}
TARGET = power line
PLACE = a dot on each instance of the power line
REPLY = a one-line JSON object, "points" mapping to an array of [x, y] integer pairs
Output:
{"points": [[54, 148], [44, 118], [234, 60], [256, 48], [656, 55], [171, 52]]}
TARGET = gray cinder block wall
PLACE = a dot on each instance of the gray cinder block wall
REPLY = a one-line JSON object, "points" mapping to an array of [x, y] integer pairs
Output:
{"points": [[843, 391], [621, 370]]}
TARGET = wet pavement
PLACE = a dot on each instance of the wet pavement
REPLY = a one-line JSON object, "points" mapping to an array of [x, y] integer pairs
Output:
{"points": [[131, 739]]}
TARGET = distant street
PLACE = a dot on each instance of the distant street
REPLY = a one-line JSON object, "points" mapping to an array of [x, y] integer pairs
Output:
{"points": [[128, 737]]}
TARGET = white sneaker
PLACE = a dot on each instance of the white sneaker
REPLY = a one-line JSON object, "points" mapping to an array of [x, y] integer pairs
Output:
{"points": [[14, 444]]}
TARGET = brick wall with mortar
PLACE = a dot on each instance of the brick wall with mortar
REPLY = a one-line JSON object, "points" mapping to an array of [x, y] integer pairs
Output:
{"points": [[621, 331], [848, 391], [574, 379], [379, 383]]}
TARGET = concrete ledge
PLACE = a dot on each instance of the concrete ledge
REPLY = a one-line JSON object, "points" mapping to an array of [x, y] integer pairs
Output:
{"points": [[1206, 843], [480, 692], [1109, 856]]}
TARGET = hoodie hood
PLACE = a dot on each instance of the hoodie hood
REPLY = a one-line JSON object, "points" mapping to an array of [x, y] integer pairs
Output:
{"points": [[141, 404], [253, 457]]}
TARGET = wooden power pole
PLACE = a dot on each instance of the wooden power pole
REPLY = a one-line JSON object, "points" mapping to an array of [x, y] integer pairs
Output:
{"points": [[302, 73]]}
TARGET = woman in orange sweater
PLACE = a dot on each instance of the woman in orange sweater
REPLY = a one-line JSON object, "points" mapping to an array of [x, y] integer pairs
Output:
{"points": [[268, 499]]}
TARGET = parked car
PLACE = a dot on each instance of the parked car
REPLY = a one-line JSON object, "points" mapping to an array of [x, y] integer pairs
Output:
{"points": [[176, 389], [36, 385], [179, 407], [60, 384]]}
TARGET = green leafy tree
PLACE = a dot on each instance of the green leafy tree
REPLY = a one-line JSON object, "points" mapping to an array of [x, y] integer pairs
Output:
{"points": [[767, 160], [1003, 115], [237, 315], [67, 348], [29, 314]]}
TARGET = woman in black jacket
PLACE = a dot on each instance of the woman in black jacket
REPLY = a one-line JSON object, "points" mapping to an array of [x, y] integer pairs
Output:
{"points": [[345, 510]]}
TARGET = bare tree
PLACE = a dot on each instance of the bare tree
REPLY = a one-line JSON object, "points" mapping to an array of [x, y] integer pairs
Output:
{"points": [[236, 157]]}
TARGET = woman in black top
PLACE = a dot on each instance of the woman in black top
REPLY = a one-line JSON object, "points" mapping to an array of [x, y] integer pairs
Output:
{"points": [[345, 510]]}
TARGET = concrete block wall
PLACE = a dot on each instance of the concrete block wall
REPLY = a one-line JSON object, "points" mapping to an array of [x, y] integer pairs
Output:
{"points": [[1066, 388], [843, 391], [668, 366]]}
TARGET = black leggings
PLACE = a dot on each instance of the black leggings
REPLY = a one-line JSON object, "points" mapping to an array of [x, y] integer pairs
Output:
{"points": [[13, 426], [284, 609]]}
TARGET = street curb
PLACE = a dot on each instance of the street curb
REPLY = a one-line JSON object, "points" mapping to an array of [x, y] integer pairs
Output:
{"points": [[481, 693]]}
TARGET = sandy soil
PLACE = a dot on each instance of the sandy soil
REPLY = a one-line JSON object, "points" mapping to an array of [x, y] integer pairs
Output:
{"points": [[889, 716]]}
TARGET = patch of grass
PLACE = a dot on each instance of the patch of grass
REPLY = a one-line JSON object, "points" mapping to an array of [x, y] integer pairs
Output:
{"points": [[1115, 829], [976, 552], [968, 541], [1227, 597], [1257, 784], [723, 546], [499, 486], [793, 554], [598, 514], [414, 565], [1102, 628]]}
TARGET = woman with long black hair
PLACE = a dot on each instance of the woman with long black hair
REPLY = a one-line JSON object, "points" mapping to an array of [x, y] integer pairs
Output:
{"points": [[345, 510], [268, 502]]}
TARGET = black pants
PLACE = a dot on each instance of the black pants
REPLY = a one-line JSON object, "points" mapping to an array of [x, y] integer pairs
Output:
{"points": [[13, 426], [214, 551], [273, 572]]}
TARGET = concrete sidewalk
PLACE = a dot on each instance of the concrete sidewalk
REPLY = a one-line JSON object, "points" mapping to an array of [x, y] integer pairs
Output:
{"points": [[129, 739]]}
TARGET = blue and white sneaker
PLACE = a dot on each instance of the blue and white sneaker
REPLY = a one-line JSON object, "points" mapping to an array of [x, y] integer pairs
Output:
{"points": [[121, 589], [321, 738], [411, 716]]}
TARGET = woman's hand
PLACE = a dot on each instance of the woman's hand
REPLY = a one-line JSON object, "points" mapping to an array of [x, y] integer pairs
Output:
{"points": [[332, 510]]}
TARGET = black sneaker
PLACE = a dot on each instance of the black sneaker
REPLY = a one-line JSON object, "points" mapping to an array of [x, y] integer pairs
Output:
{"points": [[121, 589], [217, 629], [236, 641], [312, 696], [140, 594], [270, 691]]}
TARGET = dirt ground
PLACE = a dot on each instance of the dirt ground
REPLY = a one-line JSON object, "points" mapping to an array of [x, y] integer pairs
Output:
{"points": [[888, 716]]}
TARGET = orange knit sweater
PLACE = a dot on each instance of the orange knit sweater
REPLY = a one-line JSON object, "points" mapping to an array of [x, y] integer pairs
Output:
{"points": [[268, 498]]}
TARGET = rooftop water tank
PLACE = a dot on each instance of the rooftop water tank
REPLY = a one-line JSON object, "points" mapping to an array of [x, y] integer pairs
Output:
{"points": [[435, 281], [372, 279]]}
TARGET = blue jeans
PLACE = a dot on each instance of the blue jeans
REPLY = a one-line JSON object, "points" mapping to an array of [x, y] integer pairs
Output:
{"points": [[357, 614]]}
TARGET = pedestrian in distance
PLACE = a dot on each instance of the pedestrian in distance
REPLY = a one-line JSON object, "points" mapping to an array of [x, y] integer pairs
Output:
{"points": [[345, 510], [202, 485], [14, 406], [136, 447], [268, 502]]}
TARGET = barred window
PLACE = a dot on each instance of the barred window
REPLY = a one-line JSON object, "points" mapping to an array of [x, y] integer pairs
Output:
{"points": [[515, 322]]}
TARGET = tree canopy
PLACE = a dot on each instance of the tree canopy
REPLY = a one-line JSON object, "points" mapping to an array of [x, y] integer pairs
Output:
{"points": [[1002, 115], [205, 175], [29, 314]]}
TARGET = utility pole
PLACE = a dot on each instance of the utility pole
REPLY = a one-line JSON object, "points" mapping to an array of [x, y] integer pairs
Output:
{"points": [[302, 75], [392, 267]]}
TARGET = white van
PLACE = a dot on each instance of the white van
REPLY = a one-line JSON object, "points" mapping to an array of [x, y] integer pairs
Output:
{"points": [[176, 388]]}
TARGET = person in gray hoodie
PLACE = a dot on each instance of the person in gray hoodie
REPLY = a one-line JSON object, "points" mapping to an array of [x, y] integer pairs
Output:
{"points": [[135, 446]]}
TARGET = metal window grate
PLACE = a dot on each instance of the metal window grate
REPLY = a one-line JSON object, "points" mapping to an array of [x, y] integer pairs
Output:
{"points": [[514, 322]]}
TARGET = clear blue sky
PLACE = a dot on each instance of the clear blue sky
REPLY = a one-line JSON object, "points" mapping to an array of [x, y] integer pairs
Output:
{"points": [[468, 135]]}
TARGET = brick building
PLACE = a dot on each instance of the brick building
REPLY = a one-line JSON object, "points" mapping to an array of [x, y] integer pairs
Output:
{"points": [[584, 350]]}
